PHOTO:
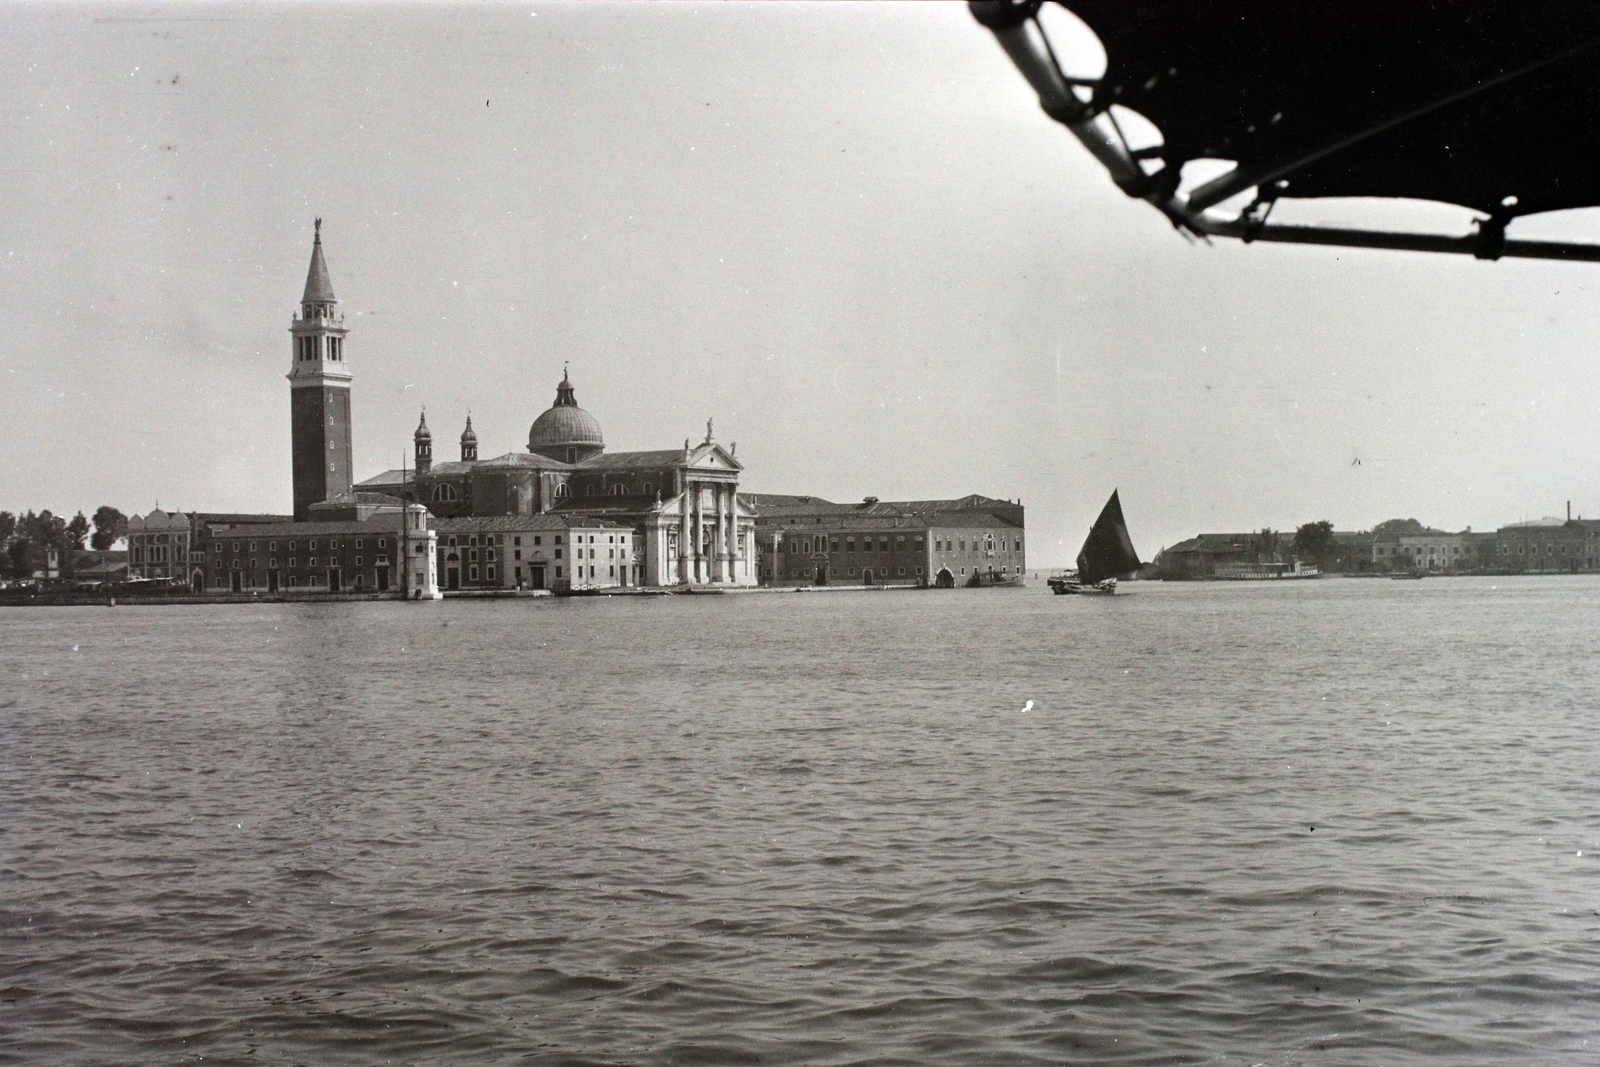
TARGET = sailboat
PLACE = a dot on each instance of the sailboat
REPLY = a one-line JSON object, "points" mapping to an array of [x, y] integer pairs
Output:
{"points": [[1106, 553]]}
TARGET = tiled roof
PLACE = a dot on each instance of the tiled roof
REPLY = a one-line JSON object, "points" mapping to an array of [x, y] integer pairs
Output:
{"points": [[672, 457], [972, 510], [611, 504], [515, 523], [390, 477], [384, 522]]}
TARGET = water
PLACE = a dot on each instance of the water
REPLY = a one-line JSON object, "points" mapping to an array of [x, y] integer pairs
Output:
{"points": [[1336, 822]]}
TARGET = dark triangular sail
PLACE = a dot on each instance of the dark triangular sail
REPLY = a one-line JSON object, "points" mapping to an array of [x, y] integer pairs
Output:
{"points": [[1108, 550]]}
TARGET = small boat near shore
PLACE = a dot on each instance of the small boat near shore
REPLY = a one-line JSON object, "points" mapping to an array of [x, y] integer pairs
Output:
{"points": [[1107, 552]]}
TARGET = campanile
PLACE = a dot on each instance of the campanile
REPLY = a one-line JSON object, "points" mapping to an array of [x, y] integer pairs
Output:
{"points": [[319, 392]]}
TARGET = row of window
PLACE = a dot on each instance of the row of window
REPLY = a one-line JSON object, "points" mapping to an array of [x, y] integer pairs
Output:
{"points": [[311, 546], [272, 561], [989, 544], [446, 492], [805, 544]]}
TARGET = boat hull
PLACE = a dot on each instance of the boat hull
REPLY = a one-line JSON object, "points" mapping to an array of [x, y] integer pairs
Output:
{"points": [[1068, 587]]}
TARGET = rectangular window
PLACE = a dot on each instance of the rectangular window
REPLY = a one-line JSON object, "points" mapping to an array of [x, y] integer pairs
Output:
{"points": [[312, 545], [517, 542], [236, 547], [612, 571], [488, 555], [472, 574], [358, 561], [558, 572], [252, 546], [291, 563], [272, 562], [383, 542], [312, 562], [358, 542], [488, 573], [272, 546], [537, 540], [380, 559], [558, 556], [516, 553], [556, 540]]}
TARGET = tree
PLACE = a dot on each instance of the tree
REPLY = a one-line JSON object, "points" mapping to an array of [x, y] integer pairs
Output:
{"points": [[1264, 545], [110, 526], [77, 531], [1396, 528], [1314, 540], [8, 527]]}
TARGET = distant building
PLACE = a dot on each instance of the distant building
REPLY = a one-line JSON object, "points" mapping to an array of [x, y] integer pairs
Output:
{"points": [[353, 546], [172, 544], [805, 540], [1206, 555], [536, 552], [1546, 547]]}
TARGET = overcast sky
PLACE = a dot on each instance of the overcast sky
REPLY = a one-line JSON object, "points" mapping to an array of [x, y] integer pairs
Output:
{"points": [[845, 232]]}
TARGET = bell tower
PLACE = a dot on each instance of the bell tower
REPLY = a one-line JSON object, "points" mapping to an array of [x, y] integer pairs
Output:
{"points": [[319, 392]]}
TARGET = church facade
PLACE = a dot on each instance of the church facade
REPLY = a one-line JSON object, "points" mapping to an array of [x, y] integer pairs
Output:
{"points": [[680, 507]]}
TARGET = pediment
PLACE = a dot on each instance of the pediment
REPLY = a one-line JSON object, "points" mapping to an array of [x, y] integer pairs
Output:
{"points": [[714, 457]]}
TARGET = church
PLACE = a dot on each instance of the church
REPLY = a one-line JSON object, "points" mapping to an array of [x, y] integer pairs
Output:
{"points": [[568, 514]]}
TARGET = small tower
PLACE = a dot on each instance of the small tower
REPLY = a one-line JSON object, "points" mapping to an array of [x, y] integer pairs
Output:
{"points": [[319, 392], [469, 443], [423, 439]]}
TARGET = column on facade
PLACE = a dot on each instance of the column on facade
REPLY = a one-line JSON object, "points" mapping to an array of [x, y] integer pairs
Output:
{"points": [[685, 542], [719, 543], [730, 516], [696, 525]]}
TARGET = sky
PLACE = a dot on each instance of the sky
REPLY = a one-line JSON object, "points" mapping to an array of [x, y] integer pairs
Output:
{"points": [[845, 232]]}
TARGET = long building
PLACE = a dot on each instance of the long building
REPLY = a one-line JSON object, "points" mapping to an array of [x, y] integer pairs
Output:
{"points": [[970, 540]]}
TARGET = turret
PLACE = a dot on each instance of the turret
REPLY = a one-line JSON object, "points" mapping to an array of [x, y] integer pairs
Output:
{"points": [[423, 439], [469, 443]]}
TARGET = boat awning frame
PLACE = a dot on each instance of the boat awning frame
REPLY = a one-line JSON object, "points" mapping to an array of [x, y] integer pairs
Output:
{"points": [[1073, 103]]}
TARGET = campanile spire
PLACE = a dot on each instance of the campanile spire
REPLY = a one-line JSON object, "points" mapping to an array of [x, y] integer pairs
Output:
{"points": [[319, 391]]}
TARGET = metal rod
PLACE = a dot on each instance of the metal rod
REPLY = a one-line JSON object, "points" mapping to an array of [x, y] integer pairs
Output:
{"points": [[1029, 52], [1470, 244]]}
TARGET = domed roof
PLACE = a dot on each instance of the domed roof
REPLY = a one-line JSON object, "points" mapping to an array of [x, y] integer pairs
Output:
{"points": [[423, 433], [468, 435], [565, 424]]}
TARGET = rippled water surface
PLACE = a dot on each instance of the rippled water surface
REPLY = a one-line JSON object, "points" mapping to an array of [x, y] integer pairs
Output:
{"points": [[1334, 822]]}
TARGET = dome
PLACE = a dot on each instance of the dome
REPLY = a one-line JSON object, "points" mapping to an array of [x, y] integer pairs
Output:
{"points": [[467, 435], [566, 432], [423, 433]]}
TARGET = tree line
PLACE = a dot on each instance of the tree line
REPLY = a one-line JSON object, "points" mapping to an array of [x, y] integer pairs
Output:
{"points": [[26, 540]]}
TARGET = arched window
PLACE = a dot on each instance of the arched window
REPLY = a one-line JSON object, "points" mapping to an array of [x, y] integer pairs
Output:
{"points": [[561, 491], [445, 492], [618, 490]]}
